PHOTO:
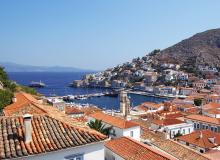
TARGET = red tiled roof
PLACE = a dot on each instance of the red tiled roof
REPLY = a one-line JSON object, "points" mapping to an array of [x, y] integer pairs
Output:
{"points": [[132, 150], [167, 122], [73, 110], [114, 121], [25, 103], [201, 138], [48, 135], [203, 119]]}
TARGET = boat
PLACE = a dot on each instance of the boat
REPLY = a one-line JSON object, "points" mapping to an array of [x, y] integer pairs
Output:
{"points": [[37, 84]]}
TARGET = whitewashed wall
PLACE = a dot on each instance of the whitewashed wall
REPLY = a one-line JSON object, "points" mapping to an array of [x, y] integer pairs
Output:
{"points": [[136, 132], [91, 152], [119, 132], [109, 155]]}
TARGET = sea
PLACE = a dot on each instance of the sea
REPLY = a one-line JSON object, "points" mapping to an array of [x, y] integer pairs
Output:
{"points": [[58, 84]]}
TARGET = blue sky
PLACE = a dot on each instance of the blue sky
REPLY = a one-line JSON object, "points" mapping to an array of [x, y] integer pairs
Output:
{"points": [[96, 34]]}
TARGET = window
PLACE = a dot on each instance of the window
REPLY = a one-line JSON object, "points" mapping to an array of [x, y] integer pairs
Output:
{"points": [[207, 127], [74, 157], [212, 128], [216, 130], [183, 131], [201, 151], [189, 130], [197, 126], [131, 133]]}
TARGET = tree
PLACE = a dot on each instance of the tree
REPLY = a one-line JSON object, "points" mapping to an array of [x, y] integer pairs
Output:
{"points": [[5, 98], [198, 102], [177, 135], [100, 127]]}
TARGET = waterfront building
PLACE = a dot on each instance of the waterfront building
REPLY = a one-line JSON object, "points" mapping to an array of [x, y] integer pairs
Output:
{"points": [[125, 148], [186, 91], [58, 103], [77, 83], [121, 126], [150, 78]]}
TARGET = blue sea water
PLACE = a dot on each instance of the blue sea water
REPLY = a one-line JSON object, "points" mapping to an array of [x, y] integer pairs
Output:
{"points": [[57, 83]]}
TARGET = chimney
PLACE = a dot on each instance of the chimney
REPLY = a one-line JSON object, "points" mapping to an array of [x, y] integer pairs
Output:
{"points": [[28, 128], [200, 136], [14, 99]]}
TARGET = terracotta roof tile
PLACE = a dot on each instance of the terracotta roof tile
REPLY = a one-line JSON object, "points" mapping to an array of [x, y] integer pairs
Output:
{"points": [[167, 122], [203, 119], [73, 110], [132, 150], [25, 103], [48, 135], [114, 121], [173, 148], [201, 138]]}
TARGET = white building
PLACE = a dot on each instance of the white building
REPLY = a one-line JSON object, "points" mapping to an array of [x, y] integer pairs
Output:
{"points": [[121, 127], [171, 127], [211, 109], [58, 103], [204, 122], [201, 140]]}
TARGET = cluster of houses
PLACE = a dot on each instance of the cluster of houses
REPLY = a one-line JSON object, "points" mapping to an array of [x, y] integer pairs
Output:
{"points": [[32, 128], [142, 75]]}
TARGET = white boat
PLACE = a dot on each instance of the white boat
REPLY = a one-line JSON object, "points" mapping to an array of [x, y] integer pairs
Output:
{"points": [[37, 84]]}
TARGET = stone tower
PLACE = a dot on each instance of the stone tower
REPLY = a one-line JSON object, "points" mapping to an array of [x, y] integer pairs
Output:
{"points": [[124, 103]]}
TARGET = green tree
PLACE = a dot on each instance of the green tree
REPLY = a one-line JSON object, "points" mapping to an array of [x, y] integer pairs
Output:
{"points": [[28, 90], [5, 98], [100, 127], [198, 102], [177, 135]]}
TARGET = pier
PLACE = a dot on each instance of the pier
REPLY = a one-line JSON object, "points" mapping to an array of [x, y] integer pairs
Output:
{"points": [[86, 96]]}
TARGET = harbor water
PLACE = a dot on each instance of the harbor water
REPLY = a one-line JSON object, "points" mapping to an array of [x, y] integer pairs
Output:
{"points": [[57, 84]]}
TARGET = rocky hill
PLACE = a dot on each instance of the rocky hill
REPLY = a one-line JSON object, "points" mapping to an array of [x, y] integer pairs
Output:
{"points": [[201, 49]]}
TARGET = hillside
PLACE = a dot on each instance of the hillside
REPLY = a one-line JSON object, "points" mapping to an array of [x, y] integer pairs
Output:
{"points": [[200, 49], [198, 55]]}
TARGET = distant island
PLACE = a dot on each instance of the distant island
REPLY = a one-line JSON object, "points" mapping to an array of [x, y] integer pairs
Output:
{"points": [[13, 67]]}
